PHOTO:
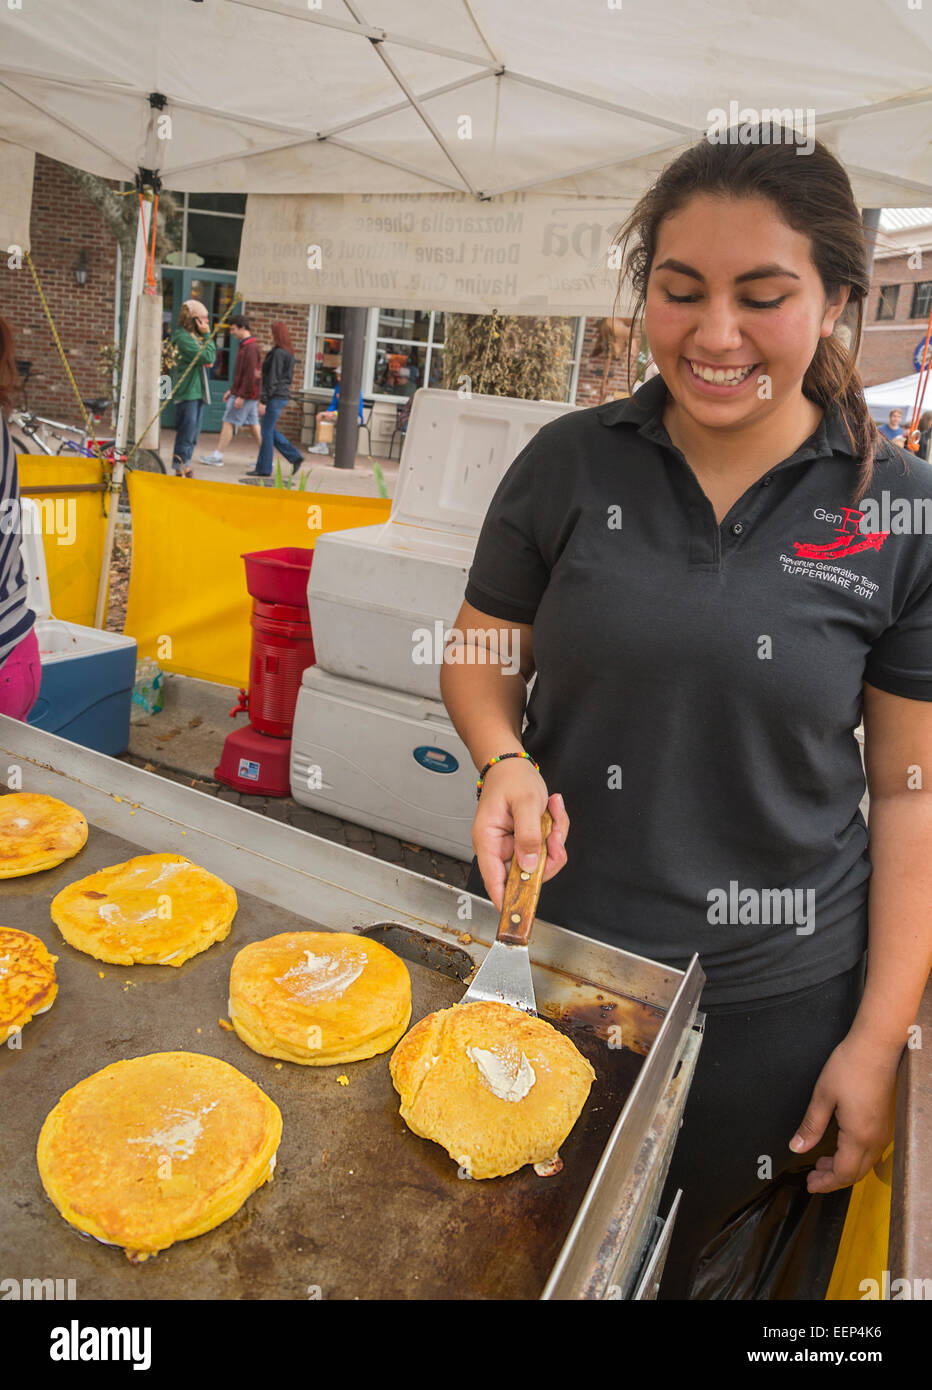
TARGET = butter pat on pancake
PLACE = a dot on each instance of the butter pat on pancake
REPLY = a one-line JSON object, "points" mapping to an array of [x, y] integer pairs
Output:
{"points": [[319, 998], [156, 909], [27, 980], [37, 832], [496, 1087], [157, 1149]]}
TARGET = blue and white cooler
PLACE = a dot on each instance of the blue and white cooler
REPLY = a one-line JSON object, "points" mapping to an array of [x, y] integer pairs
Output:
{"points": [[87, 674]]}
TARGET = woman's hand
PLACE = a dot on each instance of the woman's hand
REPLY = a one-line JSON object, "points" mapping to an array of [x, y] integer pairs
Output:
{"points": [[514, 797], [261, 408], [857, 1085]]}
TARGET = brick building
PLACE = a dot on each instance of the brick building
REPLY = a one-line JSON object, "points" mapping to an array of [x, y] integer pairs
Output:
{"points": [[897, 313], [66, 228], [403, 347], [67, 231]]}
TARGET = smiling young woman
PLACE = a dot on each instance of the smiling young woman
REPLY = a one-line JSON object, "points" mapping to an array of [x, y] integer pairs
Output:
{"points": [[689, 574]]}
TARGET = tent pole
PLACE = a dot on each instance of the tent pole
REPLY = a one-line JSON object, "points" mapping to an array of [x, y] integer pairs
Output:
{"points": [[122, 422], [354, 339], [870, 220]]}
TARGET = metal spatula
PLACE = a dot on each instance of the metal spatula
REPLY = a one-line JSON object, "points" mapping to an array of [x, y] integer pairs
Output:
{"points": [[505, 975]]}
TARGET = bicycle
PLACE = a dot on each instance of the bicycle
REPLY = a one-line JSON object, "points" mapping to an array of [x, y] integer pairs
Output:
{"points": [[54, 437]]}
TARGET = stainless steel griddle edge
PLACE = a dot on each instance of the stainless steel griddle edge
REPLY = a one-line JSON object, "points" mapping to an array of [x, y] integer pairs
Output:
{"points": [[347, 889]]}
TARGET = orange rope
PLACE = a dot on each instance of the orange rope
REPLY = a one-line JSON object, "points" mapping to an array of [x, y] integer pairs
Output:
{"points": [[151, 287]]}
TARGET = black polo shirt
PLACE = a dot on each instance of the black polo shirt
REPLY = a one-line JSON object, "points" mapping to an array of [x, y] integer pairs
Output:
{"points": [[698, 685]]}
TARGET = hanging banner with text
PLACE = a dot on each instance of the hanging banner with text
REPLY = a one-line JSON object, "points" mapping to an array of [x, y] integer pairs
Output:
{"points": [[17, 169], [524, 253]]}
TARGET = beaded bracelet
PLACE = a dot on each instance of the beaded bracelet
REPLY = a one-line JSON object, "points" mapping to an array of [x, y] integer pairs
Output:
{"points": [[501, 757]]}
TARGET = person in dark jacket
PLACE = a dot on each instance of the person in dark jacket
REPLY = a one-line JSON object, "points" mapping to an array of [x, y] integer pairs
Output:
{"points": [[242, 399], [277, 371]]}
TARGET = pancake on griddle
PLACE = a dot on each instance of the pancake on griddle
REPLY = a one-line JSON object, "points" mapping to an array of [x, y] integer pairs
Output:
{"points": [[27, 979], [157, 1149], [496, 1087], [156, 909], [37, 832], [319, 997]]}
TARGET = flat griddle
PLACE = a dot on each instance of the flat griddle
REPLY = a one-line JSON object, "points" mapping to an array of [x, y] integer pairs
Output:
{"points": [[359, 1207]]}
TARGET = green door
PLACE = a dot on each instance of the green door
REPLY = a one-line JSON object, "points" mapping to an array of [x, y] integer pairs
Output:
{"points": [[214, 288]]}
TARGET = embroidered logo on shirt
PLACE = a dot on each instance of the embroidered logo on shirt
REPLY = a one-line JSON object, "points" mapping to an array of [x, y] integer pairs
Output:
{"points": [[849, 540], [811, 560]]}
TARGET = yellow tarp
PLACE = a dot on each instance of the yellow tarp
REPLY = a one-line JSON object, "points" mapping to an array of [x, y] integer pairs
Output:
{"points": [[862, 1250], [188, 607], [73, 529]]}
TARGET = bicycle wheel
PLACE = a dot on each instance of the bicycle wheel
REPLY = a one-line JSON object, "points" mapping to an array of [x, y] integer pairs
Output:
{"points": [[142, 461], [147, 461]]}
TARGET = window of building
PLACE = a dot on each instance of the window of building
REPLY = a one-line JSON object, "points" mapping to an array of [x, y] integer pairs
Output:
{"points": [[324, 347], [403, 351], [211, 231], [922, 299], [886, 304]]}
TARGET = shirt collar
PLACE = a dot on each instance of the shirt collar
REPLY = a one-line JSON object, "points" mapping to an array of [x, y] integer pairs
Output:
{"points": [[645, 410]]}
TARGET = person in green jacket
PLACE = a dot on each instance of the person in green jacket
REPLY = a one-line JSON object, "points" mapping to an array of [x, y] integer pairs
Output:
{"points": [[192, 344]]}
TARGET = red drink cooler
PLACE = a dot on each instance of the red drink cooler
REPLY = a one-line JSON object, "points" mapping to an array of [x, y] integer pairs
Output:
{"points": [[279, 576], [282, 649], [256, 759]]}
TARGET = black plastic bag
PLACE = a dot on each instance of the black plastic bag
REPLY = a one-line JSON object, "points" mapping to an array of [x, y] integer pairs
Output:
{"points": [[782, 1245]]}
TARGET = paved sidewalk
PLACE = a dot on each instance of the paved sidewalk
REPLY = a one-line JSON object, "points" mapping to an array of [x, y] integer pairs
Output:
{"points": [[428, 862], [240, 457]]}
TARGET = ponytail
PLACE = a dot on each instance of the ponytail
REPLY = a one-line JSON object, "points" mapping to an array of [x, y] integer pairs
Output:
{"points": [[832, 380]]}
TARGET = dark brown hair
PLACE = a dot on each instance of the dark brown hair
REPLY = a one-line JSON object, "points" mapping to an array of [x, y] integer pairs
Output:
{"points": [[812, 193], [9, 376], [281, 337]]}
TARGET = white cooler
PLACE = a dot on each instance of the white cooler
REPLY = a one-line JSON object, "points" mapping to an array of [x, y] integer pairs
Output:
{"points": [[383, 759], [373, 588]]}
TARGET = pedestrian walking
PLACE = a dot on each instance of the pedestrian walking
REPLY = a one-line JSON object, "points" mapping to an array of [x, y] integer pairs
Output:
{"points": [[195, 351], [242, 399], [277, 372], [671, 566]]}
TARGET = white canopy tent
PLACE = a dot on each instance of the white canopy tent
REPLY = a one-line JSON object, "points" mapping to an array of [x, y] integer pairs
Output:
{"points": [[368, 96], [895, 395], [565, 111]]}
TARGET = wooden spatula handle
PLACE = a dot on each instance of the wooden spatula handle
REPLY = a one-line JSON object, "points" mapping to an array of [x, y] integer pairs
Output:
{"points": [[522, 890]]}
